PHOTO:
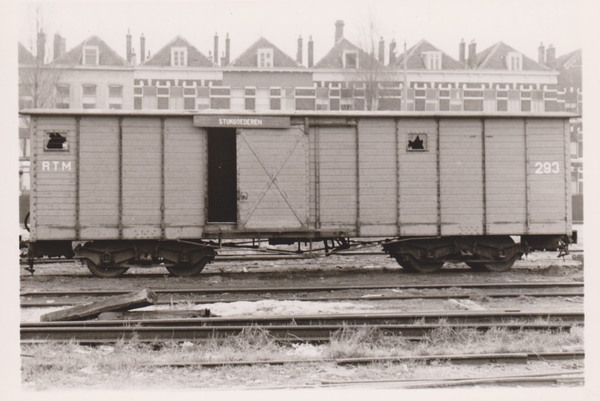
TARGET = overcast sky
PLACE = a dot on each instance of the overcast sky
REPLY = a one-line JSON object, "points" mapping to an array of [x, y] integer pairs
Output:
{"points": [[522, 24]]}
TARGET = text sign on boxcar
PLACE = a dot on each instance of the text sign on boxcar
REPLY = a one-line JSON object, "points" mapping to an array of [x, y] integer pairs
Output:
{"points": [[242, 121]]}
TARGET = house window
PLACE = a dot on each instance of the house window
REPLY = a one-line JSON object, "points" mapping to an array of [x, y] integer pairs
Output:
{"points": [[189, 98], [433, 60], [115, 97], [265, 57], [350, 59], [178, 56], [89, 96], [514, 61], [162, 94], [90, 55], [62, 97]]}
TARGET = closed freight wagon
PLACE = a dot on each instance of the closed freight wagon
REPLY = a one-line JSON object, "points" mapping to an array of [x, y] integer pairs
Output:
{"points": [[124, 188]]}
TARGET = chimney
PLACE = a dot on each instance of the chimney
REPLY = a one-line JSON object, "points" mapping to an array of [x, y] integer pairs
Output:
{"points": [[223, 59], [41, 46], [227, 53], [392, 51], [63, 46], [310, 52], [133, 58], [128, 46], [339, 30], [542, 54], [551, 57], [57, 44], [462, 51], [142, 48], [216, 53], [299, 52], [381, 51], [472, 51]]}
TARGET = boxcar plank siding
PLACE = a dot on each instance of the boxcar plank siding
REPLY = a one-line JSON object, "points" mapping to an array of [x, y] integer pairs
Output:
{"points": [[547, 201], [417, 175], [54, 217], [336, 159], [461, 167], [358, 180], [141, 177], [99, 174], [281, 201], [185, 164]]}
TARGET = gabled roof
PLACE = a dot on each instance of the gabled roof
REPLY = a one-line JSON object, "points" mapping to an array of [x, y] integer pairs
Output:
{"points": [[333, 59], [25, 56], [568, 60], [107, 56], [195, 58], [493, 58], [415, 61], [249, 57]]}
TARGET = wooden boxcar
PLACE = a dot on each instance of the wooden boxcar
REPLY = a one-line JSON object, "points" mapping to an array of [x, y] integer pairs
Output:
{"points": [[123, 188]]}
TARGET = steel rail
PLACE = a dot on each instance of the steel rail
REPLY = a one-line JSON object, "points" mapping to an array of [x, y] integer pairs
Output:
{"points": [[520, 357], [289, 333], [247, 290], [576, 377], [374, 297], [450, 317]]}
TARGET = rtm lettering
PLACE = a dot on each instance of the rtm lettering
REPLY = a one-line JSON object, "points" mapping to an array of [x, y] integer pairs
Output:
{"points": [[56, 166]]}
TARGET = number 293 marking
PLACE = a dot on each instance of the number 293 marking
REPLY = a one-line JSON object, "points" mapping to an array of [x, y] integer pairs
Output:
{"points": [[547, 168]]}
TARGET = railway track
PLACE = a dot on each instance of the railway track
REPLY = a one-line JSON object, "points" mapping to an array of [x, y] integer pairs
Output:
{"points": [[575, 377], [326, 293], [469, 359], [293, 328]]}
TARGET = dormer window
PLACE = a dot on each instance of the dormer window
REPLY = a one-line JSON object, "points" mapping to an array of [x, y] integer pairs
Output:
{"points": [[265, 57], [90, 55], [433, 60], [178, 56], [514, 61], [350, 59]]}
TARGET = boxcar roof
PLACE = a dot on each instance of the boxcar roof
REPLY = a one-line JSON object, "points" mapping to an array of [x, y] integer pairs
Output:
{"points": [[297, 113]]}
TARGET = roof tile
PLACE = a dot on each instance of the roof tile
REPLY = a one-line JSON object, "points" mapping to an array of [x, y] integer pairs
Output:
{"points": [[493, 58], [333, 59], [415, 61], [162, 58], [107, 55], [249, 57]]}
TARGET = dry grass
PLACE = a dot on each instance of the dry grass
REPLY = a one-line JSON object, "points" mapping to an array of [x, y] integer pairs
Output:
{"points": [[126, 364]]}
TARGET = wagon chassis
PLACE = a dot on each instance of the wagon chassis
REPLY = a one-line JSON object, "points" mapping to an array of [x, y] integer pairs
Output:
{"points": [[187, 258]]}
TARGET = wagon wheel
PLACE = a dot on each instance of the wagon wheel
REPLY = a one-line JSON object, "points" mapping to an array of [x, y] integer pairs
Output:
{"points": [[188, 271], [104, 272], [412, 264], [496, 266], [405, 264]]}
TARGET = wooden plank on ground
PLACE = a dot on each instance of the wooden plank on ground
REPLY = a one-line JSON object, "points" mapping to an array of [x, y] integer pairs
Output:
{"points": [[89, 311]]}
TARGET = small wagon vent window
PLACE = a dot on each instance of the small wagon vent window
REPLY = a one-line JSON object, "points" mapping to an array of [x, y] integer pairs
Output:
{"points": [[56, 141], [417, 142]]}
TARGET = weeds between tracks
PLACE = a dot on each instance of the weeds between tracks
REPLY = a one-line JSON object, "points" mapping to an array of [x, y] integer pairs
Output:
{"points": [[124, 364]]}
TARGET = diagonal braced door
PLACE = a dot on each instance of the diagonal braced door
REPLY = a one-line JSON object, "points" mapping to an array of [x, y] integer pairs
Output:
{"points": [[272, 179]]}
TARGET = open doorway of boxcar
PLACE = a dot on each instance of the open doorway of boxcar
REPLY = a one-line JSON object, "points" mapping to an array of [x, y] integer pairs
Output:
{"points": [[222, 175]]}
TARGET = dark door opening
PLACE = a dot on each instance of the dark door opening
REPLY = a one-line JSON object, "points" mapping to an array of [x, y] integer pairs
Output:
{"points": [[222, 175]]}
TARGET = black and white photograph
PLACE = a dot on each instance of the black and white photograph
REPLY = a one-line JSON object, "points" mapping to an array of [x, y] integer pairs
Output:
{"points": [[332, 197]]}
